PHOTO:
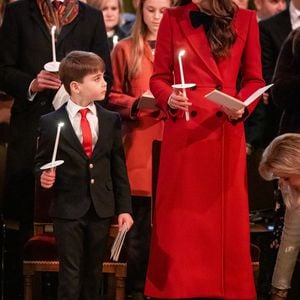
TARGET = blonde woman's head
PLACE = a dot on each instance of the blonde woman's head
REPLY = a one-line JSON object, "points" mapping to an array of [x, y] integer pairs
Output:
{"points": [[281, 160], [281, 156]]}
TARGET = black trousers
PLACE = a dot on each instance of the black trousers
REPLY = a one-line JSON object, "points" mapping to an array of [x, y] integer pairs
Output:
{"points": [[138, 244], [81, 245]]}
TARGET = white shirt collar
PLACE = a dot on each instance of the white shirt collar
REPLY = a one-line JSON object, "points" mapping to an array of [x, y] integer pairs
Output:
{"points": [[73, 108], [295, 16]]}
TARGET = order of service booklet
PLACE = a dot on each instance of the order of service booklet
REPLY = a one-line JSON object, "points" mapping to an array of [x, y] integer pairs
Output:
{"points": [[147, 101], [233, 103], [118, 243]]}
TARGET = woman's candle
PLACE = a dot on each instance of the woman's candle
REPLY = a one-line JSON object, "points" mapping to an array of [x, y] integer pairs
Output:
{"points": [[53, 42], [56, 142], [180, 54]]}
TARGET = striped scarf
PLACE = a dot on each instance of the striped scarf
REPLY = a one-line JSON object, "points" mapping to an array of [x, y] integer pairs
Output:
{"points": [[64, 14]]}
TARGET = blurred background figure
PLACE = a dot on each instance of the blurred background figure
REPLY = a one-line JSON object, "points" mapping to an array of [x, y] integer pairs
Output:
{"points": [[129, 17], [112, 14], [268, 8], [132, 61]]}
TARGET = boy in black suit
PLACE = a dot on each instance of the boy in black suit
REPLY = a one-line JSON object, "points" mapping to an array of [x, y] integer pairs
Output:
{"points": [[92, 184]]}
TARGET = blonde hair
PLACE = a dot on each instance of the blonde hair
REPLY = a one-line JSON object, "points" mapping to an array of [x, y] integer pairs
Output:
{"points": [[138, 34], [100, 4], [281, 156]]}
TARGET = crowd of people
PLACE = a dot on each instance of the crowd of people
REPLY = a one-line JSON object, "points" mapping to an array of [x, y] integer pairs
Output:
{"points": [[118, 71]]}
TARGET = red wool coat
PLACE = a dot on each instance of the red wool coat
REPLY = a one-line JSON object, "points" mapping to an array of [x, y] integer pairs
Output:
{"points": [[138, 133], [200, 244]]}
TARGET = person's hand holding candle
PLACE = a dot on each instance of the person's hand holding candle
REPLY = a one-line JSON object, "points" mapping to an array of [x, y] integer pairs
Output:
{"points": [[45, 80], [48, 178], [178, 100]]}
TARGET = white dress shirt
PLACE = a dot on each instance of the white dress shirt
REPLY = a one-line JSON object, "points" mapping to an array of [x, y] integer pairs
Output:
{"points": [[75, 118]]}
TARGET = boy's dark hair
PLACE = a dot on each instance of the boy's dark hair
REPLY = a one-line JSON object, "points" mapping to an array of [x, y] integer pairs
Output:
{"points": [[77, 64]]}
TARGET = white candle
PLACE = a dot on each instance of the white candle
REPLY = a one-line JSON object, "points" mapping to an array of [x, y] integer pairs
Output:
{"points": [[53, 42], [180, 54], [115, 40], [56, 141]]}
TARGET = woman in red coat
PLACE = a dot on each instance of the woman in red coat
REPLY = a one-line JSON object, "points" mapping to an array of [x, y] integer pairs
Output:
{"points": [[132, 61], [200, 244]]}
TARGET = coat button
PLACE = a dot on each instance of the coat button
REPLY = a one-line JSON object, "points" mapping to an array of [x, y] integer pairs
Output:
{"points": [[193, 113], [92, 181], [91, 166], [219, 114], [219, 87]]}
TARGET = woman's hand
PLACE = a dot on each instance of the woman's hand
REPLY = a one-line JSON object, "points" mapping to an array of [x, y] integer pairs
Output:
{"points": [[178, 101], [233, 114]]}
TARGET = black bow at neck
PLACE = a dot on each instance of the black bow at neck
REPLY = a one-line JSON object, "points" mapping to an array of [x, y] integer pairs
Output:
{"points": [[199, 18]]}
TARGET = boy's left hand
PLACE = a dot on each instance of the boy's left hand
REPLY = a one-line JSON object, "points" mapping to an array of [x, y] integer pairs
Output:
{"points": [[125, 218]]}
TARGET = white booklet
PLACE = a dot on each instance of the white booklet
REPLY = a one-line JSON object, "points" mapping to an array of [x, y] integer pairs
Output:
{"points": [[233, 103], [118, 243]]}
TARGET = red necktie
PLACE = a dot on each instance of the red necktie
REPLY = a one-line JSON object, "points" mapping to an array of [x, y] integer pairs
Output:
{"points": [[87, 141]]}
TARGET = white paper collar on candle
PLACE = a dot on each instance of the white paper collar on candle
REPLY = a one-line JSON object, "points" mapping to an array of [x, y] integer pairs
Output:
{"points": [[181, 53]]}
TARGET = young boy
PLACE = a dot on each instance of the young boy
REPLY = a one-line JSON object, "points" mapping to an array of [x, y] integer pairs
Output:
{"points": [[91, 185]]}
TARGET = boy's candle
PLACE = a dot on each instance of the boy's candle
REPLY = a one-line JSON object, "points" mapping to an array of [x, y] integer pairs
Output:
{"points": [[180, 54], [53, 42], [56, 142]]}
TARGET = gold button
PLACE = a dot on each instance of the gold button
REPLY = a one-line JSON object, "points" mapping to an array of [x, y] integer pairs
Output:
{"points": [[91, 166], [92, 181]]}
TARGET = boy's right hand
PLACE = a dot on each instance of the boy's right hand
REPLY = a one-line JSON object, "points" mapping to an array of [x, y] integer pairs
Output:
{"points": [[48, 178]]}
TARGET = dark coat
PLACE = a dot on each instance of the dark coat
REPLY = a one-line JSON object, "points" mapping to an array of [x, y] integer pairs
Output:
{"points": [[273, 32], [25, 48], [286, 90], [101, 179]]}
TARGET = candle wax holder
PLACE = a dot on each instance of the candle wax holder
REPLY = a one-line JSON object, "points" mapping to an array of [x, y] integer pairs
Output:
{"points": [[52, 164], [52, 66], [183, 85]]}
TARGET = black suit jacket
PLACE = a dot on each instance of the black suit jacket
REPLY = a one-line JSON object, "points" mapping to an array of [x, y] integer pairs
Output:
{"points": [[273, 32], [286, 90], [25, 48], [80, 181], [262, 126]]}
